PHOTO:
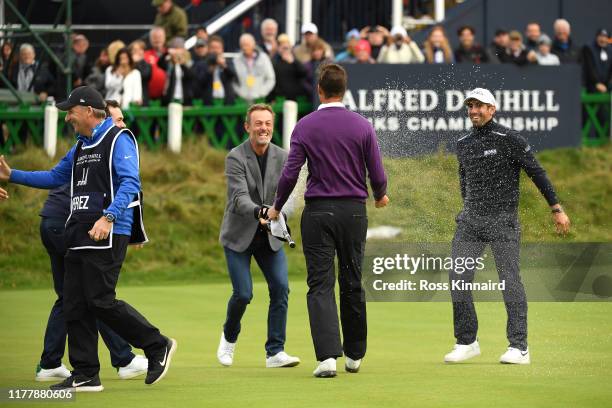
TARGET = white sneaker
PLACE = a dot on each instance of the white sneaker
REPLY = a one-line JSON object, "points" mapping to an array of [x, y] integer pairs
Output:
{"points": [[138, 366], [51, 374], [326, 368], [462, 352], [281, 359], [225, 352], [352, 366], [515, 356]]}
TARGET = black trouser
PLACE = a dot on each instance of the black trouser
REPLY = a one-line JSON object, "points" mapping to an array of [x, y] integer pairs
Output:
{"points": [[502, 233], [52, 236], [330, 226], [89, 293]]}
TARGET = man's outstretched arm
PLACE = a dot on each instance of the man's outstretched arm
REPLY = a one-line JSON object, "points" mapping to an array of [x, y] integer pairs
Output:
{"points": [[524, 155], [57, 176]]}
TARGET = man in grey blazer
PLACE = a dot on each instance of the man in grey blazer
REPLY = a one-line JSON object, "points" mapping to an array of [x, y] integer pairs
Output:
{"points": [[252, 171]]}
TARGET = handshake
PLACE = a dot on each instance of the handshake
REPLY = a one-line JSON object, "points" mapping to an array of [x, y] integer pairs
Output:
{"points": [[278, 227], [261, 214]]}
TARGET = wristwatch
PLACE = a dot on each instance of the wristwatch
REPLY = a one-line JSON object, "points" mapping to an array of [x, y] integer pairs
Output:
{"points": [[109, 217], [557, 210]]}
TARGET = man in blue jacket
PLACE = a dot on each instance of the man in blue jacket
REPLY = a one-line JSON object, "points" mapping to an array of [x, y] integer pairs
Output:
{"points": [[105, 215], [54, 214]]}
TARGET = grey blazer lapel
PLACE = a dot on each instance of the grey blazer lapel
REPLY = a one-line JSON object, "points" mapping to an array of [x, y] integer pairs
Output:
{"points": [[271, 177], [253, 167]]}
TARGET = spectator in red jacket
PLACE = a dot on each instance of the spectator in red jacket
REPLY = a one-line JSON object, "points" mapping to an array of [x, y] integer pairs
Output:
{"points": [[157, 39]]}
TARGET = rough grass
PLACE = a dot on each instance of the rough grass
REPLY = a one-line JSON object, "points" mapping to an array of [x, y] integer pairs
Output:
{"points": [[185, 197], [425, 196]]}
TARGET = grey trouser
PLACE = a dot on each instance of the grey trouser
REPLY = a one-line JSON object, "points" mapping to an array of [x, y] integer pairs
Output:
{"points": [[502, 233]]}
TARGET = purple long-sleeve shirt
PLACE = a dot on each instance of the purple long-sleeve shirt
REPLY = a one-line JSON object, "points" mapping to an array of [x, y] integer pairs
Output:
{"points": [[341, 148]]}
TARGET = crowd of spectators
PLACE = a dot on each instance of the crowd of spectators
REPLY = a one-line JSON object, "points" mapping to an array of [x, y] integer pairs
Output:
{"points": [[267, 65]]}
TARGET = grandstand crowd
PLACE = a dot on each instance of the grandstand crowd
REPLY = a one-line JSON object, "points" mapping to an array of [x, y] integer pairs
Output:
{"points": [[267, 65]]}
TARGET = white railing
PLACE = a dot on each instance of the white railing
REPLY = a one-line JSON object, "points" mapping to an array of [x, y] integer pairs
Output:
{"points": [[175, 126]]}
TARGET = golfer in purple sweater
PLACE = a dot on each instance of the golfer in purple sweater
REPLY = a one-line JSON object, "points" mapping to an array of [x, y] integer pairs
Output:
{"points": [[341, 149]]}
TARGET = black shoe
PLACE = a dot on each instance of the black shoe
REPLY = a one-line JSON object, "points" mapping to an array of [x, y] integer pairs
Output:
{"points": [[159, 363], [80, 383]]}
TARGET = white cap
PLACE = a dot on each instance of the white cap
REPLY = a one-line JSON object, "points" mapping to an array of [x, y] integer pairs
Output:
{"points": [[482, 95], [399, 30], [309, 28]]}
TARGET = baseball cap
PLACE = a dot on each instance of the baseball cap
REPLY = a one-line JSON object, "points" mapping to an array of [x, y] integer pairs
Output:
{"points": [[363, 45], [157, 3], [309, 28], [399, 30], [482, 95], [83, 96], [602, 31], [354, 33], [200, 42]]}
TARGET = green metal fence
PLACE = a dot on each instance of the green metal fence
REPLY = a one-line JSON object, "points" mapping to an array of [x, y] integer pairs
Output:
{"points": [[19, 123], [222, 125], [596, 120]]}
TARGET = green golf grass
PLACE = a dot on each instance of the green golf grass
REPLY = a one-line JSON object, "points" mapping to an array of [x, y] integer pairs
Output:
{"points": [[570, 343]]}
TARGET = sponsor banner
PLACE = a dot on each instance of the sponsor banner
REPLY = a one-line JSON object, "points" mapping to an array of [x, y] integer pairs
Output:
{"points": [[419, 109]]}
